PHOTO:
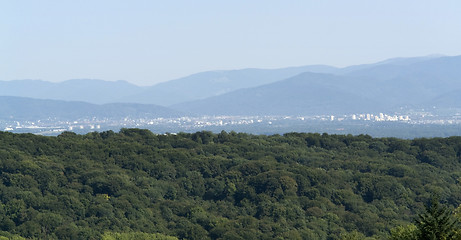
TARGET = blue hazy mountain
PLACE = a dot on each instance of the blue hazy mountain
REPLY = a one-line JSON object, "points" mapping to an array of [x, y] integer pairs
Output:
{"points": [[86, 90], [214, 83], [19, 108], [381, 87], [304, 94], [450, 99], [197, 86], [399, 61], [418, 83]]}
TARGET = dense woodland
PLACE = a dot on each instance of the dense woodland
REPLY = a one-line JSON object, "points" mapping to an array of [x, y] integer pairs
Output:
{"points": [[138, 185]]}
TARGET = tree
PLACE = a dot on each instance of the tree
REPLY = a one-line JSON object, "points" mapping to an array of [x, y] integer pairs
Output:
{"points": [[408, 232], [437, 223]]}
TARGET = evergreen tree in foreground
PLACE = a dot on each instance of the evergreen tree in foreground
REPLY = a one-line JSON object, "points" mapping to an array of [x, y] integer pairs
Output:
{"points": [[437, 223]]}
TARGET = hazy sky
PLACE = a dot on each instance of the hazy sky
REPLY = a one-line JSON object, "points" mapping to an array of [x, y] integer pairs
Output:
{"points": [[146, 42]]}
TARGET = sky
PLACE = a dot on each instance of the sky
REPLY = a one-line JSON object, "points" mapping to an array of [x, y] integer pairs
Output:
{"points": [[147, 41]]}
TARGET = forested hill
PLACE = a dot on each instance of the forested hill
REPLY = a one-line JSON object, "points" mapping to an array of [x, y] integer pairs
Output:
{"points": [[220, 186]]}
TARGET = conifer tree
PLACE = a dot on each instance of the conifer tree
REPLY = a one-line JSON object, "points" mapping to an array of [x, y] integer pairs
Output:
{"points": [[437, 223]]}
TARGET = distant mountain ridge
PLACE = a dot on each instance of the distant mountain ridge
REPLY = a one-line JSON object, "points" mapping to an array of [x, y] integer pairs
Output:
{"points": [[214, 83], [193, 87], [20, 108], [398, 61], [304, 94], [85, 90], [420, 82]]}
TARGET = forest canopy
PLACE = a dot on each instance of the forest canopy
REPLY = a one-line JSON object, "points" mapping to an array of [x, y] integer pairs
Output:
{"points": [[228, 185]]}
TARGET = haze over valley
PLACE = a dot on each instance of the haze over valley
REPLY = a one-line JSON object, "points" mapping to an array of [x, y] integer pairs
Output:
{"points": [[417, 91]]}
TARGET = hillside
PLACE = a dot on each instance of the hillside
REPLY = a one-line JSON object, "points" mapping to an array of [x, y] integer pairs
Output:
{"points": [[399, 61], [220, 186], [196, 86], [19, 108], [414, 83], [214, 83], [304, 94], [83, 90], [387, 86]]}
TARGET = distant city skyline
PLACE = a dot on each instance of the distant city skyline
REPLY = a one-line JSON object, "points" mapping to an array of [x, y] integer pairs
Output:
{"points": [[147, 42]]}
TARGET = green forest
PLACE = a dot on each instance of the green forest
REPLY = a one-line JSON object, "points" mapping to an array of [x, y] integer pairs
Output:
{"points": [[135, 184]]}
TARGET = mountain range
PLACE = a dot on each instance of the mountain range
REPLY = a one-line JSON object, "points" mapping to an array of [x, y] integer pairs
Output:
{"points": [[414, 83], [193, 87], [85, 90], [214, 83], [20, 108], [304, 94], [421, 82]]}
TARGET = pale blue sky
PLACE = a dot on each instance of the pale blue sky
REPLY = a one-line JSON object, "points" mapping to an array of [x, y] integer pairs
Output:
{"points": [[146, 42]]}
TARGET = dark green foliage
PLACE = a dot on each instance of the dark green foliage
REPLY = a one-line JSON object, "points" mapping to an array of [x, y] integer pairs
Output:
{"points": [[436, 223], [220, 186]]}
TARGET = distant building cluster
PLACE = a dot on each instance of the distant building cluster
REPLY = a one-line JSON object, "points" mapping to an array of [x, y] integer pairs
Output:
{"points": [[380, 117], [55, 126], [206, 121], [51, 126]]}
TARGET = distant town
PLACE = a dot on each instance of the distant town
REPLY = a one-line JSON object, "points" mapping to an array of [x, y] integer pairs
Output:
{"points": [[237, 123]]}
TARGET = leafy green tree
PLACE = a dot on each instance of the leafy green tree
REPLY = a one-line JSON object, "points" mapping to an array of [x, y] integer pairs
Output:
{"points": [[408, 232], [136, 236], [354, 235], [9, 236]]}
